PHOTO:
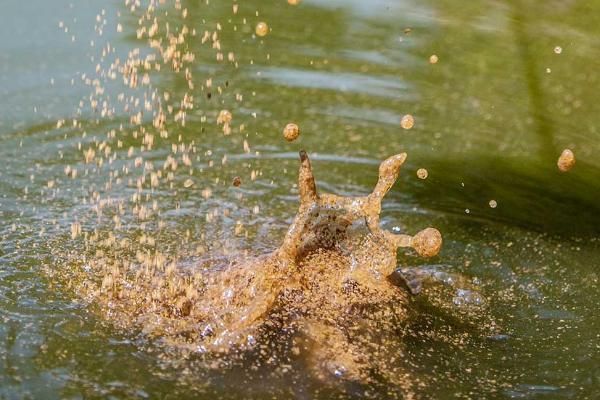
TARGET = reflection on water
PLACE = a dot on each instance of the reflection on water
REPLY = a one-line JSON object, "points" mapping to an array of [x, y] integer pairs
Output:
{"points": [[341, 82], [491, 118]]}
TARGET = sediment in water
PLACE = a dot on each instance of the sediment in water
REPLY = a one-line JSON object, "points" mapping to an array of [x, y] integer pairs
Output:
{"points": [[325, 290]]}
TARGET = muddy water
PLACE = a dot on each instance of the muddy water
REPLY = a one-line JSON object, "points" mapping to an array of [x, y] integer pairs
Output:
{"points": [[492, 115]]}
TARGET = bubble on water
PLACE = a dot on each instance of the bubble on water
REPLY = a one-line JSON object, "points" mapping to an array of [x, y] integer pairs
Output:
{"points": [[465, 297], [433, 59], [493, 203], [407, 121], [566, 161], [558, 50], [422, 173], [291, 132], [499, 337], [262, 29]]}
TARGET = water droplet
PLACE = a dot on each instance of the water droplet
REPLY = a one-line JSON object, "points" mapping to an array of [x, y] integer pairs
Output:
{"points": [[427, 242], [262, 29], [291, 132], [407, 121], [224, 117], [566, 161], [75, 230]]}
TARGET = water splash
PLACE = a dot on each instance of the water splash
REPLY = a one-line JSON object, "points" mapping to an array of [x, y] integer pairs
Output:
{"points": [[325, 289]]}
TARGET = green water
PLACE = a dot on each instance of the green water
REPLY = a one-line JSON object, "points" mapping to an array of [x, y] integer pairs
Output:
{"points": [[491, 116]]}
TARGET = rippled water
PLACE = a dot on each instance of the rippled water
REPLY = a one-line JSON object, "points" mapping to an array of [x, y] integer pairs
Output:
{"points": [[491, 118]]}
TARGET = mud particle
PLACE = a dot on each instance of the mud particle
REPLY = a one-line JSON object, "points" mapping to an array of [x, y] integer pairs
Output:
{"points": [[224, 117], [291, 132], [428, 242], [566, 161], [262, 29], [407, 121]]}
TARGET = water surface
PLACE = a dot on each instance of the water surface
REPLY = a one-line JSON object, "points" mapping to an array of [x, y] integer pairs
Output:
{"points": [[492, 116]]}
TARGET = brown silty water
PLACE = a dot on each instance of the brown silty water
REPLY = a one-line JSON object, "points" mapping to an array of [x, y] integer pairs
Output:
{"points": [[325, 290]]}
